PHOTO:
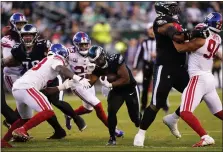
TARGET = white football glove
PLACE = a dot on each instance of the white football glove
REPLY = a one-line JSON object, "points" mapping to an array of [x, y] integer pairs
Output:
{"points": [[105, 91], [66, 85], [105, 82], [90, 68]]}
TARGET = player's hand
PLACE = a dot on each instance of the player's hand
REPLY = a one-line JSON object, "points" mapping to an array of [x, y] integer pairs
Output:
{"points": [[202, 32], [66, 85], [105, 82], [85, 83], [90, 68]]}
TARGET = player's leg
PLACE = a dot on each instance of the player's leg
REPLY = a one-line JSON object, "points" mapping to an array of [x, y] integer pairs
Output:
{"points": [[133, 105], [180, 82], [161, 88], [7, 112], [88, 96], [34, 99], [191, 98], [214, 103], [147, 76], [115, 101]]}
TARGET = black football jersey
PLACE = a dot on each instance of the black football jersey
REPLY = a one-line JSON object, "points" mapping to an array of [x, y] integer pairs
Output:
{"points": [[114, 62], [28, 60], [166, 52]]}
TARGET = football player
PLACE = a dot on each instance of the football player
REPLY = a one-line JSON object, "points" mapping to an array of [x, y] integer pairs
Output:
{"points": [[28, 53], [169, 70], [78, 63], [26, 91], [202, 82], [122, 88], [17, 20]]}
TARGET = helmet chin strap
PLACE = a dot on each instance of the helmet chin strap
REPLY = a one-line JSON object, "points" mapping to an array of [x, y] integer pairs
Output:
{"points": [[106, 65]]}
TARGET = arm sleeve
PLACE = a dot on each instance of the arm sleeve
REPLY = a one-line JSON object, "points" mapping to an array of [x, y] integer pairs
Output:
{"points": [[138, 56]]}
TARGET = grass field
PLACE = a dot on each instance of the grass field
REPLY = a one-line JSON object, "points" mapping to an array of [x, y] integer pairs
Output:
{"points": [[94, 138]]}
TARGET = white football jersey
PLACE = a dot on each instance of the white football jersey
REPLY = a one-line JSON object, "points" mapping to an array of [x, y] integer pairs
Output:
{"points": [[77, 63], [40, 74], [201, 61], [7, 43]]}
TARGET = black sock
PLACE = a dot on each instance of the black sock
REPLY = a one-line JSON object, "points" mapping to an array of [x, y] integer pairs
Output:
{"points": [[66, 108], [148, 118], [55, 124], [178, 111], [112, 122]]}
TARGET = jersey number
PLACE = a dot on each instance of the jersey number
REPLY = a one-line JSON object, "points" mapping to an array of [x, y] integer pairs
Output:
{"points": [[79, 70], [211, 49], [36, 67], [33, 63]]}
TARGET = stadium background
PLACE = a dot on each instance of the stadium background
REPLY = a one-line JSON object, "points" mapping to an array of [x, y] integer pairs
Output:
{"points": [[123, 29]]}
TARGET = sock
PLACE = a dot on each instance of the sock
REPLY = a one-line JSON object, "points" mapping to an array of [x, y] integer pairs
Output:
{"points": [[219, 114], [148, 118], [178, 111], [54, 123], [18, 123], [142, 132], [175, 116], [82, 110], [193, 122], [38, 118], [112, 123], [101, 114], [65, 108]]}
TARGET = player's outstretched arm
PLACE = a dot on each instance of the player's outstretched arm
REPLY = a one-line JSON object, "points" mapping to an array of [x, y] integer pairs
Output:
{"points": [[171, 31], [123, 76], [67, 73], [219, 55], [190, 46], [9, 62]]}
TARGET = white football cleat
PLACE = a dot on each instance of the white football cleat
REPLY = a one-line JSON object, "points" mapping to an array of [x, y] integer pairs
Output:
{"points": [[139, 140], [206, 140], [171, 122]]}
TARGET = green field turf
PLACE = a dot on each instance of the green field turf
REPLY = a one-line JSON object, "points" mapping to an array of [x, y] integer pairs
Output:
{"points": [[94, 138]]}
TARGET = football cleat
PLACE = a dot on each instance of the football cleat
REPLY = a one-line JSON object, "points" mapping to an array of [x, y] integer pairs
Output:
{"points": [[172, 124], [139, 140], [19, 139], [5, 144], [20, 134], [58, 135], [68, 122], [80, 123], [206, 140], [111, 141], [119, 133]]}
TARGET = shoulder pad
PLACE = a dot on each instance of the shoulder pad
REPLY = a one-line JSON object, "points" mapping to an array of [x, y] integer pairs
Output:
{"points": [[120, 59], [72, 49], [17, 45]]}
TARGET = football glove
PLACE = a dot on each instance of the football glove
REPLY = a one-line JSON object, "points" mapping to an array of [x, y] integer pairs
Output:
{"points": [[105, 91], [90, 68], [105, 82]]}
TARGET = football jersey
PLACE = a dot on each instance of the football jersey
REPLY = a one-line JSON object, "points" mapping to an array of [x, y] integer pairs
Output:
{"points": [[40, 74], [28, 60], [201, 61], [166, 52], [77, 62], [114, 62], [7, 44]]}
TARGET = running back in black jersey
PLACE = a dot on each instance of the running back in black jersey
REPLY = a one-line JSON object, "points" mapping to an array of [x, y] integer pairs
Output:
{"points": [[114, 62], [28, 60], [166, 52]]}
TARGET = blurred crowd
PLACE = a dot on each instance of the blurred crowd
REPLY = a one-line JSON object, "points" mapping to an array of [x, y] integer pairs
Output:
{"points": [[117, 26]]}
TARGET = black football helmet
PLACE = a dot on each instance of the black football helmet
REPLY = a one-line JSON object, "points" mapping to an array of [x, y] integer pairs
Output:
{"points": [[167, 8], [97, 55]]}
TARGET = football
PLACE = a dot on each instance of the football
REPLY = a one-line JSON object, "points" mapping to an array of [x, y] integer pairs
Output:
{"points": [[110, 77]]}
